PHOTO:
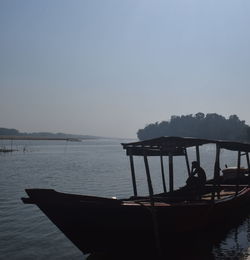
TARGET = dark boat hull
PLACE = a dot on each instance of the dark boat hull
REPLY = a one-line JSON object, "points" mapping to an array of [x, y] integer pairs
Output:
{"points": [[96, 224]]}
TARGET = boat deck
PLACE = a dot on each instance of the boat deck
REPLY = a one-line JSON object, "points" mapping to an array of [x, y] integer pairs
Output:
{"points": [[222, 194], [165, 201]]}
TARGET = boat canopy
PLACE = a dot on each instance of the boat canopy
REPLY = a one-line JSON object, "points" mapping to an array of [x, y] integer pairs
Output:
{"points": [[176, 146]]}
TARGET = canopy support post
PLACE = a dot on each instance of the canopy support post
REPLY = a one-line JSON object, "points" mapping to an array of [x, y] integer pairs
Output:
{"points": [[150, 187], [238, 172], [152, 209], [171, 173], [187, 162], [248, 166], [163, 175], [216, 183], [133, 174], [197, 154]]}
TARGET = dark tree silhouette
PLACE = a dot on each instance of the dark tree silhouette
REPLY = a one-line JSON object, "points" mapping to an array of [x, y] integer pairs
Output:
{"points": [[210, 126]]}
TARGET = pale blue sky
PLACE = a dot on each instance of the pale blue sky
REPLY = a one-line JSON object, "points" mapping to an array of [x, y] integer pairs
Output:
{"points": [[109, 68]]}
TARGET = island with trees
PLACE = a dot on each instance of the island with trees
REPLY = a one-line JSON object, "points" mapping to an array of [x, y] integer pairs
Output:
{"points": [[209, 126]]}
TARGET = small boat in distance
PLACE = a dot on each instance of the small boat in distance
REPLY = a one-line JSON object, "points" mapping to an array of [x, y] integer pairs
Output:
{"points": [[98, 224], [6, 150]]}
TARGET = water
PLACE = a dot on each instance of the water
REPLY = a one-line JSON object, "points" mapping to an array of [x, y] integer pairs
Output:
{"points": [[91, 167]]}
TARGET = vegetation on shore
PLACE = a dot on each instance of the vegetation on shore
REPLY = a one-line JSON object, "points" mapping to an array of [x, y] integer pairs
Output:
{"points": [[15, 132], [209, 126]]}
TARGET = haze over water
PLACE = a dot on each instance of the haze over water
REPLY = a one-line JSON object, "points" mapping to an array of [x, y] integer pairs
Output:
{"points": [[92, 167]]}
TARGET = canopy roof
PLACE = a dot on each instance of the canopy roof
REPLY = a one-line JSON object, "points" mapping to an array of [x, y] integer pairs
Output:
{"points": [[176, 146]]}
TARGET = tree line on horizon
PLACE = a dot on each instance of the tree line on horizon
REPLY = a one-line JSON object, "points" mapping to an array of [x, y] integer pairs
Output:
{"points": [[15, 132], [209, 126]]}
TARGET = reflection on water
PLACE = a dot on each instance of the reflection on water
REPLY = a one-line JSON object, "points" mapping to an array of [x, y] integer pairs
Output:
{"points": [[94, 167], [235, 245], [229, 244]]}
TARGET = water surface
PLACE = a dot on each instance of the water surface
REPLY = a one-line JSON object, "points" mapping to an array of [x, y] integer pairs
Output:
{"points": [[91, 167]]}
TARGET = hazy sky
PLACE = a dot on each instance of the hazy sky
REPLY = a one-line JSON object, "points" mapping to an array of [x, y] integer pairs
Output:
{"points": [[109, 68]]}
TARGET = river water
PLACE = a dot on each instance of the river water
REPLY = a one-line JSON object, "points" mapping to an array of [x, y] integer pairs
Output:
{"points": [[91, 167]]}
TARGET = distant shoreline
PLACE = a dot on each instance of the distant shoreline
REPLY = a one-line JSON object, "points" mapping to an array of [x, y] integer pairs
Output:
{"points": [[14, 134], [18, 137], [70, 139]]}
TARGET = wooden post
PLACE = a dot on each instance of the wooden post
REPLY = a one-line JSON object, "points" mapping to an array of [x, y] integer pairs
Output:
{"points": [[238, 172], [163, 176], [248, 166], [150, 187], [187, 162], [133, 174], [152, 209], [197, 154], [248, 162], [216, 173], [171, 173]]}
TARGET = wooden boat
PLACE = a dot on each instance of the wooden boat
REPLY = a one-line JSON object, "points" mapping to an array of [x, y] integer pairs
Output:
{"points": [[96, 224]]}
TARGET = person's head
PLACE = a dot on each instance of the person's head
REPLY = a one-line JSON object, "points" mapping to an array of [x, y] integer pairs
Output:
{"points": [[195, 164]]}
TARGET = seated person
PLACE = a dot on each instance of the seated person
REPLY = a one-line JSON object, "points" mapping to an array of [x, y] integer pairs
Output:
{"points": [[197, 178]]}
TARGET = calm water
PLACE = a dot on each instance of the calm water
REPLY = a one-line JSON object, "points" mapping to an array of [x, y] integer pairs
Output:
{"points": [[93, 167]]}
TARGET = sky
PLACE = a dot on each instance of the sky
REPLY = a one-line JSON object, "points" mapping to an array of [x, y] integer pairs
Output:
{"points": [[109, 68]]}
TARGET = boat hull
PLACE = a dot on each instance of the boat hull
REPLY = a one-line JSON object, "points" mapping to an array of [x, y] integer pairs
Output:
{"points": [[96, 224]]}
